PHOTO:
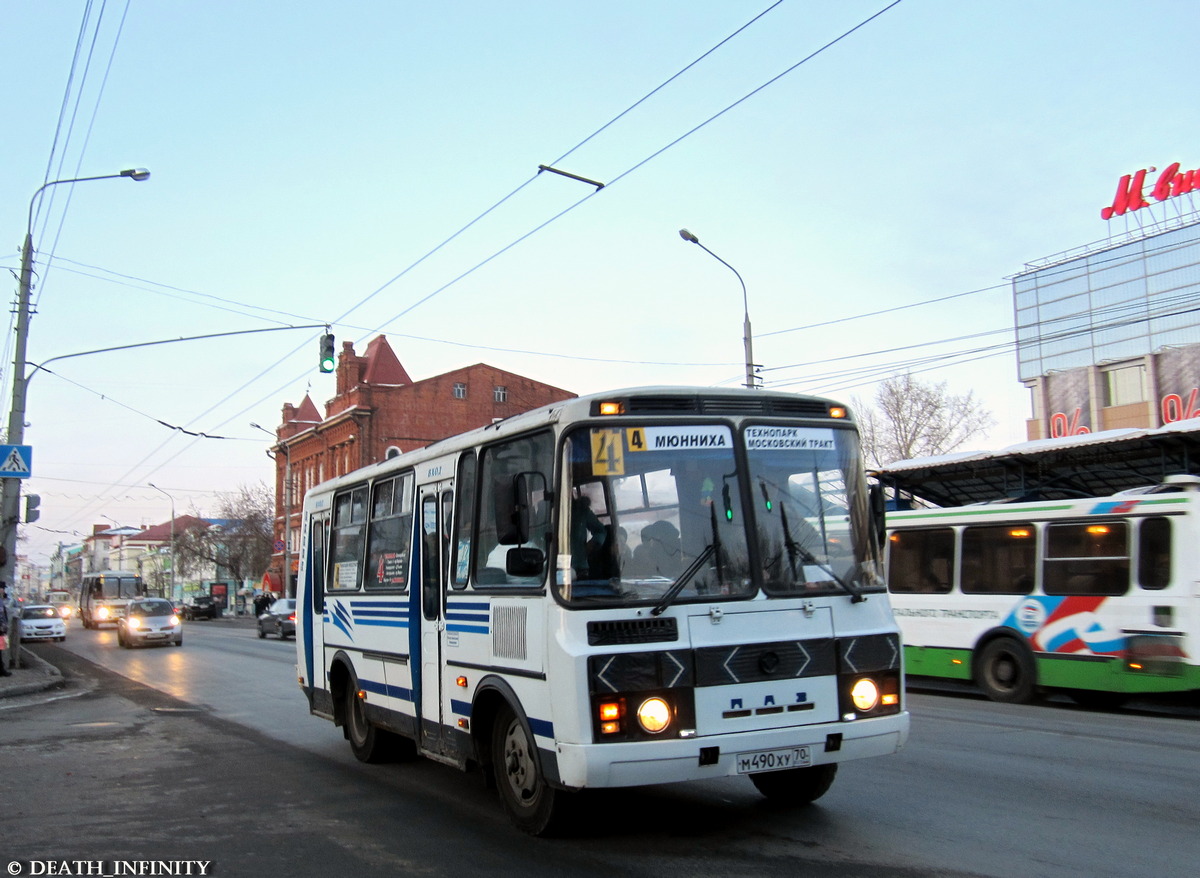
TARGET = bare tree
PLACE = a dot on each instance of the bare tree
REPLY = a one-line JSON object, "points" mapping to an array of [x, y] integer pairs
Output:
{"points": [[913, 419], [240, 539]]}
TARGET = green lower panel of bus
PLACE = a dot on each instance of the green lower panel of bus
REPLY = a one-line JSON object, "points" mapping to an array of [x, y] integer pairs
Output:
{"points": [[1061, 672]]}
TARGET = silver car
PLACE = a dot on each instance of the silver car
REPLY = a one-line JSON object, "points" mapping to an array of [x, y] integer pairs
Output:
{"points": [[42, 622], [149, 620]]}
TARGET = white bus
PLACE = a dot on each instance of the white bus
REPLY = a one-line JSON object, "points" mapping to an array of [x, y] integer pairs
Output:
{"points": [[654, 585], [1097, 596], [104, 595]]}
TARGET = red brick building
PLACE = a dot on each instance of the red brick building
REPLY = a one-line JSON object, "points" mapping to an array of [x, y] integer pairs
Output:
{"points": [[378, 412]]}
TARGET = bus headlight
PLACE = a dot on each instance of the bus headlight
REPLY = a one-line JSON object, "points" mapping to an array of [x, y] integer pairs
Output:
{"points": [[102, 613], [865, 694], [654, 715]]}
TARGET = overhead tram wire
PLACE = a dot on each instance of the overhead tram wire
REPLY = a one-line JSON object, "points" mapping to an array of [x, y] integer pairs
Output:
{"points": [[49, 260], [521, 238], [641, 163], [489, 210]]}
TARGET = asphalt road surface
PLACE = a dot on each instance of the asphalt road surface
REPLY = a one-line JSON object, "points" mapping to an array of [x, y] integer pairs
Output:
{"points": [[207, 753]]}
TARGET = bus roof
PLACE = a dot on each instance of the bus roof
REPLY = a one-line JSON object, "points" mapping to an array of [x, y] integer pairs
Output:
{"points": [[1088, 465]]}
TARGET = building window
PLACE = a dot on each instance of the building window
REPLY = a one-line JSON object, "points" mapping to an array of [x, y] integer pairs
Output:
{"points": [[1124, 385], [460, 390], [500, 394]]}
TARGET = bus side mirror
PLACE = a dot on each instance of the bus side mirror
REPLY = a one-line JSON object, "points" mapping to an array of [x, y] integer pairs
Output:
{"points": [[524, 561], [878, 502]]}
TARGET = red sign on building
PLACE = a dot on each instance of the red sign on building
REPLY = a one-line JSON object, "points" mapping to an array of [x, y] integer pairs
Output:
{"points": [[1130, 191]]}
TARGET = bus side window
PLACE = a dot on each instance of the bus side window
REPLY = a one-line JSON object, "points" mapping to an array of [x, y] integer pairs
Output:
{"points": [[349, 526], [920, 561], [464, 521], [1154, 553], [998, 559]]}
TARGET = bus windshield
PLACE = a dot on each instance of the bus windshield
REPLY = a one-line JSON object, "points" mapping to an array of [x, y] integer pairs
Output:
{"points": [[812, 532], [644, 506]]}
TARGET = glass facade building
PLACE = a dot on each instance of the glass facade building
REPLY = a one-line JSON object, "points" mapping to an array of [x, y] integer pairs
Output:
{"points": [[1115, 303]]}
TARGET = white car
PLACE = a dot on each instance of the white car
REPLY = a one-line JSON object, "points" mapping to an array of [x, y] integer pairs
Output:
{"points": [[42, 622]]}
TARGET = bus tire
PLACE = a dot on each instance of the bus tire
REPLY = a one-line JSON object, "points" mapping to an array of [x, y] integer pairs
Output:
{"points": [[532, 804], [1006, 672], [366, 741], [796, 786]]}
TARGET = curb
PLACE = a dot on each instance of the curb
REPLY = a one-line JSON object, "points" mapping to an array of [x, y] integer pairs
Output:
{"points": [[44, 676]]}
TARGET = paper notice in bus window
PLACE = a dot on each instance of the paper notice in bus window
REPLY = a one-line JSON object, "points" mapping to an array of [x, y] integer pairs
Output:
{"points": [[608, 453], [789, 439]]}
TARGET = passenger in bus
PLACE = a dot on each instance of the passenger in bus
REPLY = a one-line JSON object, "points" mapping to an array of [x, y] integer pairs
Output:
{"points": [[659, 553], [584, 522]]}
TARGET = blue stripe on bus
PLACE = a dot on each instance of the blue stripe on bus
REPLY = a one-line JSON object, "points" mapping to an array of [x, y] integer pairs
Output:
{"points": [[468, 617], [462, 708], [543, 728], [384, 614], [384, 689], [468, 629], [384, 623], [467, 605]]}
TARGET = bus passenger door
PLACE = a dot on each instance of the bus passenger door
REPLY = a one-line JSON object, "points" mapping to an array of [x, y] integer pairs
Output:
{"points": [[435, 511]]}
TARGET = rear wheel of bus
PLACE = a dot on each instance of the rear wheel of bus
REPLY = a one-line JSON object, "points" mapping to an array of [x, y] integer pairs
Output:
{"points": [[368, 742], [533, 805], [796, 786], [1006, 672]]}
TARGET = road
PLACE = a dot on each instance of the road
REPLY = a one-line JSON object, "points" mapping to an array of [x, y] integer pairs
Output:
{"points": [[208, 752]]}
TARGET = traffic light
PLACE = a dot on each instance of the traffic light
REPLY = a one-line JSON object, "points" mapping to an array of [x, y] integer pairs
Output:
{"points": [[32, 501], [327, 359]]}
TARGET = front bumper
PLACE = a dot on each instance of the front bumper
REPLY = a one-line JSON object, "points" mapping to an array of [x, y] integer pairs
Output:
{"points": [[43, 633], [680, 759]]}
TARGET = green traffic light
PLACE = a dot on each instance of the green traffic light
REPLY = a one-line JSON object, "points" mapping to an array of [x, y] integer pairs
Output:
{"points": [[327, 361]]}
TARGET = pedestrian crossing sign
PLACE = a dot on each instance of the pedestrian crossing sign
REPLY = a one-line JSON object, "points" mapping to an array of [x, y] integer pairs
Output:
{"points": [[15, 461]]}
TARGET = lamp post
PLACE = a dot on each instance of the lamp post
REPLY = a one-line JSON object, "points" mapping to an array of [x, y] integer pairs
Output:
{"points": [[286, 585], [747, 336], [172, 499], [11, 507]]}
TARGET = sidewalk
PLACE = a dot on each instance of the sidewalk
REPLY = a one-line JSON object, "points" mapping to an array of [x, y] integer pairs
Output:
{"points": [[36, 674]]}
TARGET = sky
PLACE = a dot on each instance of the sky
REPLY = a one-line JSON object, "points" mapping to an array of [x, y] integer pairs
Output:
{"points": [[373, 165]]}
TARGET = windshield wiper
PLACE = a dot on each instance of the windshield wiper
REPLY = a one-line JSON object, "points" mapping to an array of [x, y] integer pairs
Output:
{"points": [[684, 578], [794, 550]]}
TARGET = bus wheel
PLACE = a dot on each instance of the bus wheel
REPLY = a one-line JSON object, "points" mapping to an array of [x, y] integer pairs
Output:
{"points": [[532, 804], [1005, 671], [366, 741], [796, 786]]}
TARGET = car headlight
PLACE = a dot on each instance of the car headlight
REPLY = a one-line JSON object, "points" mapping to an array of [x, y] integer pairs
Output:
{"points": [[174, 621], [133, 622], [654, 715]]}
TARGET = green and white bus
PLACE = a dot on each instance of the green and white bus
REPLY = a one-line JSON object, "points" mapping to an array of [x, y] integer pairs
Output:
{"points": [[1098, 596]]}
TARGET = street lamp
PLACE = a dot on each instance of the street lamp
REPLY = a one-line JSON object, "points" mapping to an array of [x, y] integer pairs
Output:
{"points": [[747, 337], [286, 585], [11, 507], [172, 499]]}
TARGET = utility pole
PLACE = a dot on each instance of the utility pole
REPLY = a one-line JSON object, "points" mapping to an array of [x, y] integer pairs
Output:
{"points": [[10, 510]]}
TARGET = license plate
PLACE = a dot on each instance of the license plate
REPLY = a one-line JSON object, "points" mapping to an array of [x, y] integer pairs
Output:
{"points": [[773, 760], [155, 636]]}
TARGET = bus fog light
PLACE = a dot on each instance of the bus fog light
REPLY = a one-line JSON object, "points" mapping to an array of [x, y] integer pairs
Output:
{"points": [[865, 694], [654, 715]]}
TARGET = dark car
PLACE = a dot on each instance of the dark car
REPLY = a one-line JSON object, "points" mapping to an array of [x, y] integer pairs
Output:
{"points": [[201, 607], [279, 619], [149, 620]]}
